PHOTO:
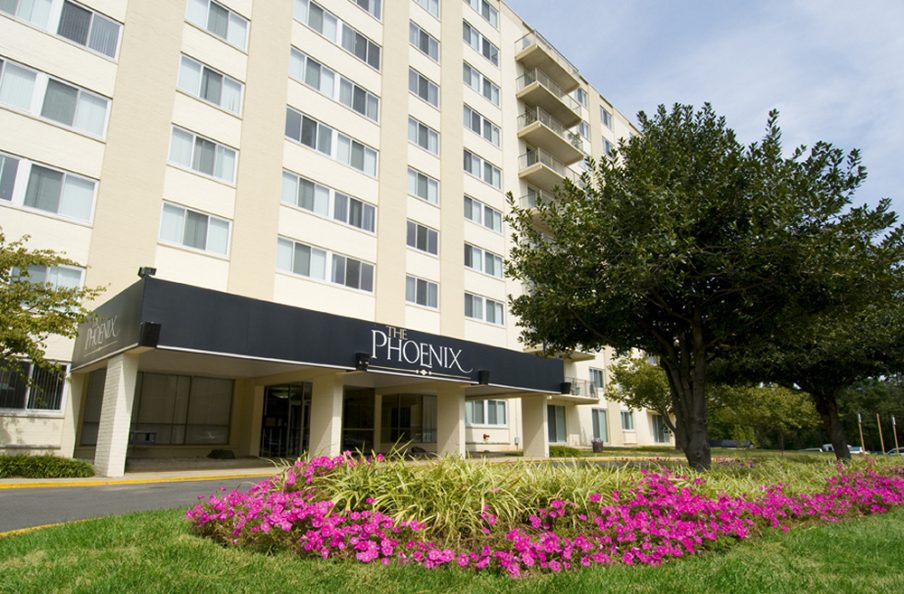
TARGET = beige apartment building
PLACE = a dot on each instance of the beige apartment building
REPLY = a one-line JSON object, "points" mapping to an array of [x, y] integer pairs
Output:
{"points": [[314, 191]]}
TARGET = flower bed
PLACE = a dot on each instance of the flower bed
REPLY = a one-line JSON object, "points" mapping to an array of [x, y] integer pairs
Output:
{"points": [[662, 516]]}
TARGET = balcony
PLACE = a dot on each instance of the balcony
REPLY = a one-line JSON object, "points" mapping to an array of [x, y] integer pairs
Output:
{"points": [[536, 88], [582, 389], [533, 51], [529, 200], [567, 356], [543, 171], [537, 128]]}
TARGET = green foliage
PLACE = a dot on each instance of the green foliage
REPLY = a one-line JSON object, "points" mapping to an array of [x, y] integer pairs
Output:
{"points": [[559, 451], [884, 396], [27, 466], [30, 311], [766, 415], [639, 384]]}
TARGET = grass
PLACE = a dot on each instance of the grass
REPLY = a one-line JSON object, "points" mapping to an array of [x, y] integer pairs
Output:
{"points": [[154, 552]]}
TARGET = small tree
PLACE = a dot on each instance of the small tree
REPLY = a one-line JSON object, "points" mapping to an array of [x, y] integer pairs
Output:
{"points": [[638, 384], [760, 413], [31, 309], [686, 245]]}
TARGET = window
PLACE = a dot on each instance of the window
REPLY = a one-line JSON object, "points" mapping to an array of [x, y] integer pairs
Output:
{"points": [[597, 378], [74, 22], [431, 6], [477, 81], [327, 202], [219, 20], [36, 12], [600, 424], [483, 8], [481, 125], [43, 394], [607, 147], [38, 94], [58, 277], [211, 86], [374, 7], [60, 193], [332, 143], [485, 412], [421, 292], [423, 87], [484, 309], [200, 154], [8, 168], [423, 136], [555, 423], [327, 24], [584, 129], [333, 85], [423, 186], [661, 432], [480, 44], [483, 214], [422, 238], [408, 418], [189, 228], [426, 43], [312, 262], [581, 96], [606, 116], [482, 170], [627, 420], [483, 261]]}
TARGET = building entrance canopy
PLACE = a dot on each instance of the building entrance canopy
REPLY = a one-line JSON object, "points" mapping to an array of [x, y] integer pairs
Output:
{"points": [[173, 316]]}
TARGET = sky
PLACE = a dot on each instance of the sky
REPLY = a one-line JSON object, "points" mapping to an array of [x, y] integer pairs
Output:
{"points": [[834, 69]]}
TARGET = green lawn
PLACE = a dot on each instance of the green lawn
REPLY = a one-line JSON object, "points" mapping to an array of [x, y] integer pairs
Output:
{"points": [[154, 552]]}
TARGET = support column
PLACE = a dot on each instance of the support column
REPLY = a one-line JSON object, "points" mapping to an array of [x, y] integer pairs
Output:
{"points": [[257, 417], [116, 415], [77, 383], [450, 420], [533, 426], [326, 416]]}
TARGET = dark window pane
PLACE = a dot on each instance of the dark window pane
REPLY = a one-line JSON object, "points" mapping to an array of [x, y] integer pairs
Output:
{"points": [[218, 20], [44, 186], [373, 56], [309, 132], [59, 102], [195, 230], [212, 86], [293, 124], [13, 384], [340, 210], [8, 169], [411, 238], [359, 100], [357, 155], [354, 213], [74, 23], [205, 152], [46, 391], [361, 46], [368, 217], [339, 269], [353, 273]]}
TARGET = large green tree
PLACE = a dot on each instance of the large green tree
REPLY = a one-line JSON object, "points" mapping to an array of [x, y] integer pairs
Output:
{"points": [[638, 384], [687, 245], [31, 308]]}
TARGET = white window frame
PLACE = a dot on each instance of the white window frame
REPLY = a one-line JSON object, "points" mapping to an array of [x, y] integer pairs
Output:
{"points": [[606, 117], [486, 11], [374, 7], [416, 34], [607, 147], [54, 17], [414, 282], [219, 150], [419, 229], [472, 76], [584, 129], [481, 219], [484, 405], [430, 6], [485, 302], [22, 177], [196, 93], [336, 140], [479, 43], [330, 258], [206, 250], [335, 93], [331, 196], [336, 31], [601, 373], [486, 126], [601, 421], [25, 411], [485, 167], [233, 19], [431, 183], [39, 88], [627, 420], [479, 257], [417, 79], [418, 128]]}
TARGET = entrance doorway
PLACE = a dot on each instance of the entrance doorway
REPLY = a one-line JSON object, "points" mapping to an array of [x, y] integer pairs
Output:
{"points": [[286, 424], [358, 419]]}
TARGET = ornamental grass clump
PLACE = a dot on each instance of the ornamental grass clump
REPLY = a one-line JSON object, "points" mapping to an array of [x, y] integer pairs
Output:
{"points": [[526, 518]]}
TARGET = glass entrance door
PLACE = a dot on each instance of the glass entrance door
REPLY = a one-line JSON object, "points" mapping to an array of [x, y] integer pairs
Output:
{"points": [[286, 420]]}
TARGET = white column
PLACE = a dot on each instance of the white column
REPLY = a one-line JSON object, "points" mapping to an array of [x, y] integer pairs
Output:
{"points": [[76, 384], [533, 426], [257, 417], [326, 416], [450, 419], [116, 415]]}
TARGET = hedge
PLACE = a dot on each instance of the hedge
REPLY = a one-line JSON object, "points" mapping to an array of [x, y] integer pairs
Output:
{"points": [[26, 466]]}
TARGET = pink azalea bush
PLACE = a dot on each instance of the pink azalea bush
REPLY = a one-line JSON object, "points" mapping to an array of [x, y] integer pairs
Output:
{"points": [[664, 516]]}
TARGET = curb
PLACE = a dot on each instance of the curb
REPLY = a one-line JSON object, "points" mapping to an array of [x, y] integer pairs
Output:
{"points": [[21, 531], [101, 483]]}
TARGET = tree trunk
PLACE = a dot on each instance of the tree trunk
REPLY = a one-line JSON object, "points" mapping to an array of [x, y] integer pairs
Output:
{"points": [[827, 407]]}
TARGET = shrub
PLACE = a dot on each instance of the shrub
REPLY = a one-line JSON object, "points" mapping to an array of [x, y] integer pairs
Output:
{"points": [[27, 466], [557, 451]]}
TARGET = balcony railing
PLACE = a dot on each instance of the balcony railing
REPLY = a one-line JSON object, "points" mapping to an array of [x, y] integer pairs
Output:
{"points": [[581, 387], [538, 114], [529, 200], [535, 155], [537, 75], [535, 38]]}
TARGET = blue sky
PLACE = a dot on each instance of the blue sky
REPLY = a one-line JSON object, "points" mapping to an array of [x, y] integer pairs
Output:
{"points": [[834, 69]]}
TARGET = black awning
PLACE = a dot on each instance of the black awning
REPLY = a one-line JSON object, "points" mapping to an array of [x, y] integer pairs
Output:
{"points": [[175, 316]]}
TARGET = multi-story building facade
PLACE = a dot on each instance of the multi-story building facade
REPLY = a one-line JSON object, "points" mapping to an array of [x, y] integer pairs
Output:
{"points": [[312, 181]]}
